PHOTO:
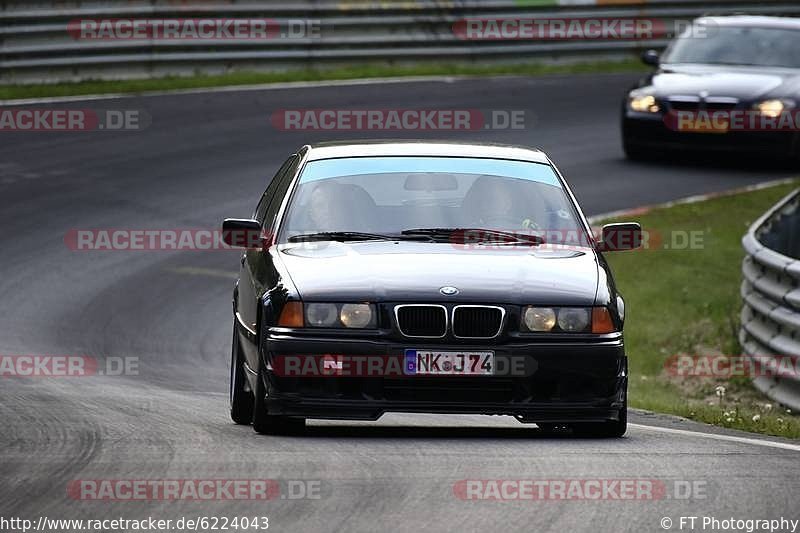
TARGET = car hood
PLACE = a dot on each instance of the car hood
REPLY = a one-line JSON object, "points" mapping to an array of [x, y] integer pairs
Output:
{"points": [[414, 271], [740, 82]]}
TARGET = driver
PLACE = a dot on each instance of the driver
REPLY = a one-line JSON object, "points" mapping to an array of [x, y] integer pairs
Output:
{"points": [[494, 205], [497, 208]]}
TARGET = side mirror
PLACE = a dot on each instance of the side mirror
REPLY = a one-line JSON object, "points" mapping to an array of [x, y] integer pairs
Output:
{"points": [[242, 233], [621, 236], [650, 57]]}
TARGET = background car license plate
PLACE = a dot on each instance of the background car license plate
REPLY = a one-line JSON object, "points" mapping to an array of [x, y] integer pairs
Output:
{"points": [[448, 363]]}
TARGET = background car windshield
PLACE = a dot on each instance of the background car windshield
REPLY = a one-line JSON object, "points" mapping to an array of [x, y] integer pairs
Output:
{"points": [[387, 195], [731, 45]]}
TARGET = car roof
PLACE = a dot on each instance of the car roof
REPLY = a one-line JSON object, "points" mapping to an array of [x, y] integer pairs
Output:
{"points": [[332, 150], [791, 23]]}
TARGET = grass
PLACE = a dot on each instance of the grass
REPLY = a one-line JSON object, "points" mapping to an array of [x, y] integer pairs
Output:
{"points": [[8, 92], [685, 300]]}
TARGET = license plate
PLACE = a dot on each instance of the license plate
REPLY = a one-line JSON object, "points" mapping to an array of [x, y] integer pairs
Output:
{"points": [[439, 363]]}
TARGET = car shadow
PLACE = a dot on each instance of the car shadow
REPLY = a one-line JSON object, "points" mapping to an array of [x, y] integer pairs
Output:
{"points": [[430, 432]]}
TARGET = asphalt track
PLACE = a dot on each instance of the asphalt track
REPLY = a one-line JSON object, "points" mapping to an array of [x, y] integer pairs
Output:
{"points": [[207, 156]]}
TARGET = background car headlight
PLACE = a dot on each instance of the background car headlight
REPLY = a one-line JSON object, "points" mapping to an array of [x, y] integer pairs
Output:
{"points": [[573, 319], [539, 318], [356, 315], [322, 315], [644, 104], [773, 108]]}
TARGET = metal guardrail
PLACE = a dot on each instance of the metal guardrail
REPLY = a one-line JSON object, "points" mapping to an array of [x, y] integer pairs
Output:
{"points": [[36, 46], [771, 293]]}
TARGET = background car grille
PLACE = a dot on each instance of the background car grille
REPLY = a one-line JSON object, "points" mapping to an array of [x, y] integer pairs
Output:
{"points": [[678, 105], [477, 322], [422, 320]]}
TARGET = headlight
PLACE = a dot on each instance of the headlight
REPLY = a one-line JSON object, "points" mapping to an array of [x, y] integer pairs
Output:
{"points": [[356, 315], [573, 319], [338, 315], [321, 315], [643, 104], [773, 108], [539, 318], [567, 320]]}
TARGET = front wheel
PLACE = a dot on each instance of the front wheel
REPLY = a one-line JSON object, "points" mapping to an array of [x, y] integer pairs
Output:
{"points": [[633, 151], [241, 399]]}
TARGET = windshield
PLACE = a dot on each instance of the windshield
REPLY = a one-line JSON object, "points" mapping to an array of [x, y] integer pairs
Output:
{"points": [[390, 195], [732, 45]]}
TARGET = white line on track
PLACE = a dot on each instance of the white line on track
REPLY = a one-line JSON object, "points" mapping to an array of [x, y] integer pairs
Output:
{"points": [[233, 88], [722, 437]]}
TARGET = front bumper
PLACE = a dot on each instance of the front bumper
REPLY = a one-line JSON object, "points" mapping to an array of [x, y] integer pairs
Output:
{"points": [[649, 130], [563, 382]]}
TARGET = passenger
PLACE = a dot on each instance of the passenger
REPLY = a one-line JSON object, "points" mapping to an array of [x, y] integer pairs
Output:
{"points": [[322, 208]]}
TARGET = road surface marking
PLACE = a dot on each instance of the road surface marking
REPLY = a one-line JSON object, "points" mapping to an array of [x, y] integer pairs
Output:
{"points": [[233, 88], [717, 436]]}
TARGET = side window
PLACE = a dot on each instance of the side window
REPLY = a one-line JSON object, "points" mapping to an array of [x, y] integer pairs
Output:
{"points": [[282, 182], [263, 204]]}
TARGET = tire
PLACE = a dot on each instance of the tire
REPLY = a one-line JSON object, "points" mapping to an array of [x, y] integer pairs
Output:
{"points": [[241, 400], [633, 151], [548, 428], [267, 424], [793, 156], [607, 429]]}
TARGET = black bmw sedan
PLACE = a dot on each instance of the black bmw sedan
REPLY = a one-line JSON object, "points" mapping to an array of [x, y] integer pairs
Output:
{"points": [[426, 277], [725, 84]]}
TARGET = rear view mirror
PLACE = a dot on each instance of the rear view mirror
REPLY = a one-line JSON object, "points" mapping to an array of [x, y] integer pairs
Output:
{"points": [[621, 236], [431, 182], [650, 57], [242, 233]]}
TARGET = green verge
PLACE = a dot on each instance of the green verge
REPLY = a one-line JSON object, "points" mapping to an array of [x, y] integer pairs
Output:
{"points": [[685, 300], [9, 92]]}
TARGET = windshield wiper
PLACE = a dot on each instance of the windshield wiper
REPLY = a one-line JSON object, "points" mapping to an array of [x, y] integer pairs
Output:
{"points": [[342, 236], [477, 235]]}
